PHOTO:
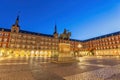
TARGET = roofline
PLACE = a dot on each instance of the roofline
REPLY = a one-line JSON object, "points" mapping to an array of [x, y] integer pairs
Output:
{"points": [[48, 35], [103, 36]]}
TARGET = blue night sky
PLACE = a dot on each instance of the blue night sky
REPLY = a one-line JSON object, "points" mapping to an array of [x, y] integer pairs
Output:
{"points": [[84, 18]]}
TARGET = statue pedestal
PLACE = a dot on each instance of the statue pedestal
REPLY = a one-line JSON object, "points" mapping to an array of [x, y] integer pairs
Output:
{"points": [[64, 54]]}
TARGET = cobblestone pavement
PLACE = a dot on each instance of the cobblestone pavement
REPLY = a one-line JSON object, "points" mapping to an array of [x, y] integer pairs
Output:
{"points": [[35, 68], [107, 73]]}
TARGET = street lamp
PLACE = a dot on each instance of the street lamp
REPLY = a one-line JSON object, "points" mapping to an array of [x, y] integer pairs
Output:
{"points": [[79, 46]]}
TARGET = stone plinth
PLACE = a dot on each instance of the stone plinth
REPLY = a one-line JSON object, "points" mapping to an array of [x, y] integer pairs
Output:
{"points": [[64, 53]]}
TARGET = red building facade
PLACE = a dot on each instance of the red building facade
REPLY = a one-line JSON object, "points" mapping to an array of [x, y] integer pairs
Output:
{"points": [[17, 42]]}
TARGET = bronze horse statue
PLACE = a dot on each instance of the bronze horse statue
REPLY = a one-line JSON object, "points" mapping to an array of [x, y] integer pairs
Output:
{"points": [[66, 35]]}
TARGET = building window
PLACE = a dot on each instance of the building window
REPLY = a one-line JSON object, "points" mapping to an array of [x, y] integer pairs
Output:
{"points": [[3, 45], [18, 46], [12, 40], [33, 47], [28, 46], [24, 41], [1, 34], [6, 34], [18, 40], [29, 37], [33, 42], [117, 41], [0, 39], [11, 45], [41, 42], [20, 36], [23, 46], [5, 40], [24, 37], [33, 37]]}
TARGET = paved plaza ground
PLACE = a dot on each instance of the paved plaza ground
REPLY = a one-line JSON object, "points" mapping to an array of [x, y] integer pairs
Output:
{"points": [[36, 68]]}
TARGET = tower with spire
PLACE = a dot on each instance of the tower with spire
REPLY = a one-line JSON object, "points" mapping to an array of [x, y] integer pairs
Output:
{"points": [[55, 34], [15, 27]]}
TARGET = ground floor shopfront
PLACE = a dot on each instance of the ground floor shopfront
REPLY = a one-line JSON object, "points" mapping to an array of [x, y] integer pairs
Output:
{"points": [[24, 52], [107, 52], [55, 53]]}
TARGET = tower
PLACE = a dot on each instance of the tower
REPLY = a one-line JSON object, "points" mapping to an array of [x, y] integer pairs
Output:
{"points": [[55, 34], [15, 27]]}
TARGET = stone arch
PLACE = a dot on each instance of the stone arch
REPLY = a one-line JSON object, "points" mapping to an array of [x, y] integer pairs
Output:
{"points": [[22, 53], [76, 53]]}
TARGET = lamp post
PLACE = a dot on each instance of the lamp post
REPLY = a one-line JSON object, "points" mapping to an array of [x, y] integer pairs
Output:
{"points": [[79, 46]]}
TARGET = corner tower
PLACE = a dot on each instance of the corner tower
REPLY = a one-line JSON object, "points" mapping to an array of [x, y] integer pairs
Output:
{"points": [[15, 27], [55, 34]]}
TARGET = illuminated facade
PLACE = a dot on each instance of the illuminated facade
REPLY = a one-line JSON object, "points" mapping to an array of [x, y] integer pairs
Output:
{"points": [[17, 42], [103, 45]]}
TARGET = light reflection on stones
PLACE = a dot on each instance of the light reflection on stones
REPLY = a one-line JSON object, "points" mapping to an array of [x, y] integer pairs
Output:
{"points": [[89, 68]]}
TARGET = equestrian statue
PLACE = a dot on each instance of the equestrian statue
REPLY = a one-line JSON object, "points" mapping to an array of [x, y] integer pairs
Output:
{"points": [[65, 35]]}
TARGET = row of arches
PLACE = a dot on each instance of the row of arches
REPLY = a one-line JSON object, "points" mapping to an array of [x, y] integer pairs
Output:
{"points": [[53, 53], [110, 52], [26, 53]]}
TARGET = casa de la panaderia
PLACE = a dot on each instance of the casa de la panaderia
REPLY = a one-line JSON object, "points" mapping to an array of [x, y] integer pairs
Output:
{"points": [[17, 42]]}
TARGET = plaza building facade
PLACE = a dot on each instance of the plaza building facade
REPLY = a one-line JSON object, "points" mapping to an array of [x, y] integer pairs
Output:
{"points": [[17, 42], [106, 45]]}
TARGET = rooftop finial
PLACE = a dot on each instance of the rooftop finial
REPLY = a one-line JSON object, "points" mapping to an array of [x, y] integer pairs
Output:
{"points": [[17, 19], [55, 29]]}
